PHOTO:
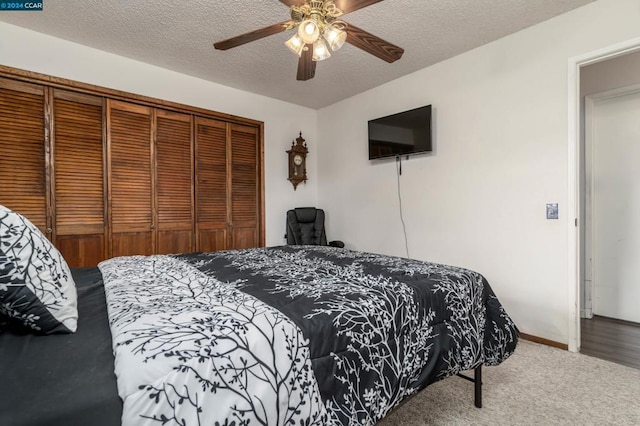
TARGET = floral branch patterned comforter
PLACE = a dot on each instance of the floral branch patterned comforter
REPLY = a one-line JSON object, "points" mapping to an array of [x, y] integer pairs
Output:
{"points": [[293, 335]]}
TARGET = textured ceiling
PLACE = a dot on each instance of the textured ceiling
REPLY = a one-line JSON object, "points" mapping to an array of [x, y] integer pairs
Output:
{"points": [[180, 35]]}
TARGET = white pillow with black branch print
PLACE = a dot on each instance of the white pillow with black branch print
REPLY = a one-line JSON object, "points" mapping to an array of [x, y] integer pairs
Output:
{"points": [[37, 291]]}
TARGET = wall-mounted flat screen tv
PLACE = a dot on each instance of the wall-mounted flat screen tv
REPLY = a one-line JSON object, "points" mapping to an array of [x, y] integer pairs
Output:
{"points": [[405, 133]]}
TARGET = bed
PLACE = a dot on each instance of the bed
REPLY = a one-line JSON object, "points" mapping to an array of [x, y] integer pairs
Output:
{"points": [[303, 335], [353, 344]]}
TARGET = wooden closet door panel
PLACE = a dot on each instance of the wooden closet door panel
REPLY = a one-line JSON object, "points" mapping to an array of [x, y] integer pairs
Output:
{"points": [[174, 177], [245, 189], [212, 214], [244, 237], [212, 239], [78, 178], [81, 250], [23, 164], [130, 179]]}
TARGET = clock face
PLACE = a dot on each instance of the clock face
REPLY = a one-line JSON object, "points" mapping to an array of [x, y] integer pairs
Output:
{"points": [[297, 160]]}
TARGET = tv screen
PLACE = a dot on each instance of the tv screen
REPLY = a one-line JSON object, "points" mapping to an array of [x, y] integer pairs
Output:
{"points": [[404, 133]]}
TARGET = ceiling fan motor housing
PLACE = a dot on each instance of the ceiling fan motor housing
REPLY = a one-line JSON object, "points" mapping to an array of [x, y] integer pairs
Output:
{"points": [[318, 10], [316, 4]]}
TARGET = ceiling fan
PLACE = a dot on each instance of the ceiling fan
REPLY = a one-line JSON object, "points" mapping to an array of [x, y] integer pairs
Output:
{"points": [[318, 24]]}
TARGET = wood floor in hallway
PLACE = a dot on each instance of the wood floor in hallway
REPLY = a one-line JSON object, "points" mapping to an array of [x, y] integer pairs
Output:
{"points": [[611, 339]]}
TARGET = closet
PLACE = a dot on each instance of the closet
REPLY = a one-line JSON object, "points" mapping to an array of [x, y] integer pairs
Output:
{"points": [[103, 175]]}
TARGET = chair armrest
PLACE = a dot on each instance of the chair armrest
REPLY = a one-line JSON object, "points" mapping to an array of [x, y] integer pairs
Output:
{"points": [[336, 243]]}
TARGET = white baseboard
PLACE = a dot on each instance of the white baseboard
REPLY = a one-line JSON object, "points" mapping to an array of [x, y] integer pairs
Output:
{"points": [[586, 313]]}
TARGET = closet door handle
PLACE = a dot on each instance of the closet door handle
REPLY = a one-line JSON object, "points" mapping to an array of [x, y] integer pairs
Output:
{"points": [[49, 230]]}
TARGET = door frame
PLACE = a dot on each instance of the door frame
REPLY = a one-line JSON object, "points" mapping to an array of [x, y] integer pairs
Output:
{"points": [[575, 168]]}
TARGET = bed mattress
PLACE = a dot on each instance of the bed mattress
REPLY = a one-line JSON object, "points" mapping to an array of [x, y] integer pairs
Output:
{"points": [[293, 335]]}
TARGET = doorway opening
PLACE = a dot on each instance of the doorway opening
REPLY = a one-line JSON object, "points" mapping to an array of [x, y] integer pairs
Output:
{"points": [[603, 86]]}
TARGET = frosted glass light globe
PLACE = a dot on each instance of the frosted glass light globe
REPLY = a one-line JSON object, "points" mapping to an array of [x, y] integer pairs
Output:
{"points": [[335, 37], [320, 51], [309, 31], [296, 44]]}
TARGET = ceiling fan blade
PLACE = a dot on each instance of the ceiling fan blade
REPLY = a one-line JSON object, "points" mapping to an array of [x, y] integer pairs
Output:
{"points": [[251, 36], [306, 66], [372, 44], [292, 2], [348, 6]]}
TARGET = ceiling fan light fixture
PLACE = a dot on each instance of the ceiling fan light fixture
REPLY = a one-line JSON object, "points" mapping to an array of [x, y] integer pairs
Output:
{"points": [[309, 31], [319, 32], [320, 51], [335, 37], [295, 44]]}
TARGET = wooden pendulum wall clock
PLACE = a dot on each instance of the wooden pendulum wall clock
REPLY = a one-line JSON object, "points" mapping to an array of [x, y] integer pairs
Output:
{"points": [[298, 162]]}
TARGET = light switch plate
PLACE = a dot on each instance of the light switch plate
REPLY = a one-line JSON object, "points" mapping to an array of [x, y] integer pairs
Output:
{"points": [[552, 211]]}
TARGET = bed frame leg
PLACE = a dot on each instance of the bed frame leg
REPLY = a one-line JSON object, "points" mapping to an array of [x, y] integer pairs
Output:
{"points": [[477, 381], [477, 384]]}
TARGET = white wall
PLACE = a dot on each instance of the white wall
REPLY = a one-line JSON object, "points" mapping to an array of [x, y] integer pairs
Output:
{"points": [[501, 152], [29, 50]]}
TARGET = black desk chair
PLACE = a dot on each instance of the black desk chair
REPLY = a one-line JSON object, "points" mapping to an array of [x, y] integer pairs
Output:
{"points": [[305, 226]]}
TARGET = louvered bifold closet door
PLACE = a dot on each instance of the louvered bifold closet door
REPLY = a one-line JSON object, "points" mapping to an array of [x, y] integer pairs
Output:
{"points": [[130, 179], [23, 178], [78, 179], [174, 177], [211, 185], [245, 180]]}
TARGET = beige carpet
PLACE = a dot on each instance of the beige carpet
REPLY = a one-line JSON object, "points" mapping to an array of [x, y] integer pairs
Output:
{"points": [[538, 385]]}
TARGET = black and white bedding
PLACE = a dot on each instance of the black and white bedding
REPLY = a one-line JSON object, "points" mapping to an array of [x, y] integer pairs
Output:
{"points": [[300, 335]]}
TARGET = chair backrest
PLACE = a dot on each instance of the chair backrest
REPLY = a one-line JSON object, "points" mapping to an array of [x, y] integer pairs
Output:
{"points": [[305, 226]]}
